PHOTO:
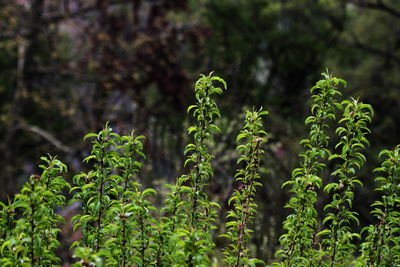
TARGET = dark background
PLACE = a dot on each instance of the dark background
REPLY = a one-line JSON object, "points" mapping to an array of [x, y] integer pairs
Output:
{"points": [[68, 66]]}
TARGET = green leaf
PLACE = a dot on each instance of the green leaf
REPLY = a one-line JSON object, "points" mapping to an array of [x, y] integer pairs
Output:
{"points": [[89, 135], [149, 191], [191, 107]]}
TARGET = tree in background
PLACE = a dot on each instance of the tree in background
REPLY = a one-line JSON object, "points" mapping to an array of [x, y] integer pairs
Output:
{"points": [[74, 64]]}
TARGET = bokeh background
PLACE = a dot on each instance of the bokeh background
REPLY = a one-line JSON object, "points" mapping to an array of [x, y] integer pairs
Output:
{"points": [[68, 66]]}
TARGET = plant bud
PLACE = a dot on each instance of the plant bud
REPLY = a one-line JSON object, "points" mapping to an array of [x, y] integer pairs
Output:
{"points": [[35, 176], [85, 263]]}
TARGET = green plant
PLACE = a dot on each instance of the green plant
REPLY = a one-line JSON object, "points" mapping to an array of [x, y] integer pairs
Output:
{"points": [[298, 242], [338, 235], [33, 238], [116, 221], [244, 207], [120, 226], [130, 221], [381, 247], [95, 190], [193, 214]]}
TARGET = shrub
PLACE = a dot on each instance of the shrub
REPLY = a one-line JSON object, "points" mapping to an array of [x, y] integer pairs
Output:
{"points": [[31, 239], [298, 242], [120, 226], [381, 246], [244, 208]]}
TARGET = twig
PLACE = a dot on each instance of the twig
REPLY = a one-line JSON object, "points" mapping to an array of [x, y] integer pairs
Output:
{"points": [[46, 135]]}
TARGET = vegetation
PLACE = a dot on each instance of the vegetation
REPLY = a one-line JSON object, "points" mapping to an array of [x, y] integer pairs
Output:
{"points": [[120, 225], [301, 225], [381, 243], [244, 208], [30, 239], [69, 66]]}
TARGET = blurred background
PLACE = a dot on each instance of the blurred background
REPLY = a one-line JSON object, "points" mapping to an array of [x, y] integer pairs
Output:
{"points": [[68, 66]]}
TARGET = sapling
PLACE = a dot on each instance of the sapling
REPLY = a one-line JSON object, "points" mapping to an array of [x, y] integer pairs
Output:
{"points": [[382, 244], [145, 227], [121, 231], [238, 230], [191, 213], [34, 238], [299, 239], [338, 235], [205, 111], [95, 190], [116, 221], [201, 210]]}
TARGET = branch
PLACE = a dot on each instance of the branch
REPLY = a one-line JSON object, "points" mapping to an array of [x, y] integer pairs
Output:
{"points": [[386, 54], [378, 5], [46, 135]]}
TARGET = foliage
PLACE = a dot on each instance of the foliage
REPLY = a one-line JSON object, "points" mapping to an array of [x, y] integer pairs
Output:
{"points": [[69, 65], [381, 245], [121, 225], [188, 201], [299, 240], [116, 221], [31, 239], [338, 235], [244, 208]]}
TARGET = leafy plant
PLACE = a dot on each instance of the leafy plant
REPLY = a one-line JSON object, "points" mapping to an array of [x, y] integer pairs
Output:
{"points": [[299, 241], [244, 207], [7, 220], [116, 221], [95, 190], [381, 247], [128, 232], [120, 226], [33, 238], [188, 200], [338, 235]]}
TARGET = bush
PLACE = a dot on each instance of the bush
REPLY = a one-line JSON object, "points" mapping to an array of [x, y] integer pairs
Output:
{"points": [[120, 226]]}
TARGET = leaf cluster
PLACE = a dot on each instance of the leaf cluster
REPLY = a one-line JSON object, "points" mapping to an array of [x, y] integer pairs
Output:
{"points": [[381, 246], [338, 235], [120, 226], [238, 230], [300, 226], [29, 223]]}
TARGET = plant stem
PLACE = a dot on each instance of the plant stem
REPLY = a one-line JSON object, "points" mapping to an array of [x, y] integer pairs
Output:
{"points": [[32, 222]]}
